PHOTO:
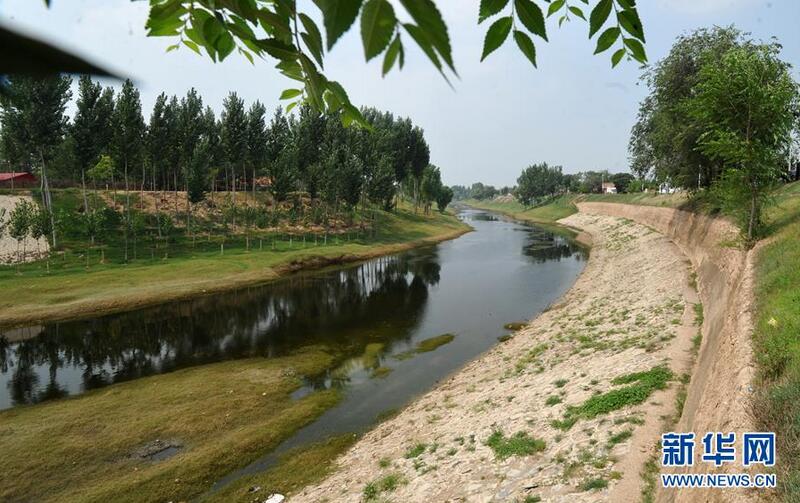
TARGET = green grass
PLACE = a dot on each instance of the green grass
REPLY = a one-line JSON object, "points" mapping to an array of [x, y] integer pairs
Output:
{"points": [[640, 386], [84, 445], [593, 484], [552, 400], [416, 450], [519, 444], [777, 346], [387, 483], [555, 209], [64, 287]]}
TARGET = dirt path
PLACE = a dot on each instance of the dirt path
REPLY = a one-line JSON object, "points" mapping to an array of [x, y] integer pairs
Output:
{"points": [[8, 245], [630, 311]]}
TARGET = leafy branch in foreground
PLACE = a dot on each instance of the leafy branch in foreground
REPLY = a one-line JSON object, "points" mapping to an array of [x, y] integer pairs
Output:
{"points": [[277, 28]]}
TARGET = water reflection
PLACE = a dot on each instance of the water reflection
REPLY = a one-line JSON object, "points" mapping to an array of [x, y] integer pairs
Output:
{"points": [[381, 299]]}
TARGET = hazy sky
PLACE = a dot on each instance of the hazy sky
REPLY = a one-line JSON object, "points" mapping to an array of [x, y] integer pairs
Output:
{"points": [[573, 110]]}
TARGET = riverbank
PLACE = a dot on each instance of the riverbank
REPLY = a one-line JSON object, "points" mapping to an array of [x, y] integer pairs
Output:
{"points": [[159, 438], [584, 392], [36, 295]]}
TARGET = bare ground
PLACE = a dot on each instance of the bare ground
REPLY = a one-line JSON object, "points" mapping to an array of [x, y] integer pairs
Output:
{"points": [[12, 251], [630, 310]]}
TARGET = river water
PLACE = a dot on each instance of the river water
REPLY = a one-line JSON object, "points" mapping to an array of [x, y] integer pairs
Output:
{"points": [[375, 313]]}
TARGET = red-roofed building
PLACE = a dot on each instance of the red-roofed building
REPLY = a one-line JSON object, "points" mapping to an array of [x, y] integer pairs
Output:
{"points": [[16, 180]]}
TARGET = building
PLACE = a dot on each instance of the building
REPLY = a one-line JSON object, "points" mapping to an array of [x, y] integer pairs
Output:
{"points": [[16, 180], [609, 188]]}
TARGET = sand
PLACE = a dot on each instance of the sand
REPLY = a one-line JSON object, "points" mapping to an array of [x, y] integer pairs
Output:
{"points": [[629, 311], [10, 252]]}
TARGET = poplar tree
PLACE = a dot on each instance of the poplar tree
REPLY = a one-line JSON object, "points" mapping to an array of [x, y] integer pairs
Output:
{"points": [[34, 125], [128, 140]]}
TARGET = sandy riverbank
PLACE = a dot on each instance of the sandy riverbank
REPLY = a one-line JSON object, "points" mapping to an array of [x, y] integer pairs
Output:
{"points": [[630, 311]]}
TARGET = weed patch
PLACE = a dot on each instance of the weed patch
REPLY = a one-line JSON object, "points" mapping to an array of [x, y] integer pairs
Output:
{"points": [[519, 444]]}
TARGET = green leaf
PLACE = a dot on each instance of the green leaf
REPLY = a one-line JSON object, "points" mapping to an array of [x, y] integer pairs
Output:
{"points": [[288, 94], [607, 39], [577, 11], [224, 45], [291, 105], [630, 22], [496, 35], [489, 8], [599, 16], [277, 49], [429, 20], [525, 45], [555, 7], [315, 82], [338, 16], [391, 55], [172, 47], [247, 55], [191, 45], [637, 49], [377, 26], [617, 57], [422, 41], [531, 16], [312, 38]]}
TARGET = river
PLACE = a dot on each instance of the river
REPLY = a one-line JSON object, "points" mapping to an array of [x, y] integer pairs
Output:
{"points": [[456, 295]]}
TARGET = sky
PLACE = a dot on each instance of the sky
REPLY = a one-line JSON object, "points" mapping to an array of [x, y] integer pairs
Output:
{"points": [[500, 116]]}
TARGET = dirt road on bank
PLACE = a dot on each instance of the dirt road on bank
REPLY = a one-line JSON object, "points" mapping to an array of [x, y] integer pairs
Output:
{"points": [[488, 434]]}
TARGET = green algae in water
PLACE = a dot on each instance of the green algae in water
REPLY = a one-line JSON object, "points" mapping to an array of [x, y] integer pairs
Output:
{"points": [[380, 372], [426, 346], [515, 325]]}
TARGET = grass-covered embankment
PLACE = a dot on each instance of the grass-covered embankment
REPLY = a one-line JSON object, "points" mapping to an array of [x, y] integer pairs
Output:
{"points": [[67, 288], [225, 415], [776, 336], [555, 209]]}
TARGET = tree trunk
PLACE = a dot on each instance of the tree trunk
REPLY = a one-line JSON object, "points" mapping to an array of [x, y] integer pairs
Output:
{"points": [[48, 201], [127, 209]]}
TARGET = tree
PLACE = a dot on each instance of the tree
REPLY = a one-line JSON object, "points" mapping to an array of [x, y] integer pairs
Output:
{"points": [[19, 224], [87, 129], [276, 28], [34, 124], [234, 138], [537, 181], [664, 139], [430, 185], [257, 138], [198, 172], [190, 128], [161, 140], [622, 181], [128, 141], [747, 107], [443, 198]]}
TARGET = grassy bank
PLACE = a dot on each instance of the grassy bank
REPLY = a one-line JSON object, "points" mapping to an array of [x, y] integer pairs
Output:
{"points": [[224, 415], [66, 287], [556, 209], [777, 346]]}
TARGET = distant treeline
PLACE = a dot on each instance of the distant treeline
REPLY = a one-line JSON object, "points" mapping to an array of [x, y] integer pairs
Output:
{"points": [[541, 180]]}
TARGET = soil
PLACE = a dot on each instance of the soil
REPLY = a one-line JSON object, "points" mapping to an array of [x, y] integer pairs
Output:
{"points": [[11, 251], [631, 310]]}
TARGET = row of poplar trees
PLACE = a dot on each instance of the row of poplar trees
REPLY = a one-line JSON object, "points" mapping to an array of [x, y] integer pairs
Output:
{"points": [[185, 146]]}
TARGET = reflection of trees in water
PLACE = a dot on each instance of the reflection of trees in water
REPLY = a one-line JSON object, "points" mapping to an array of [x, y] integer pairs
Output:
{"points": [[378, 301], [543, 246]]}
